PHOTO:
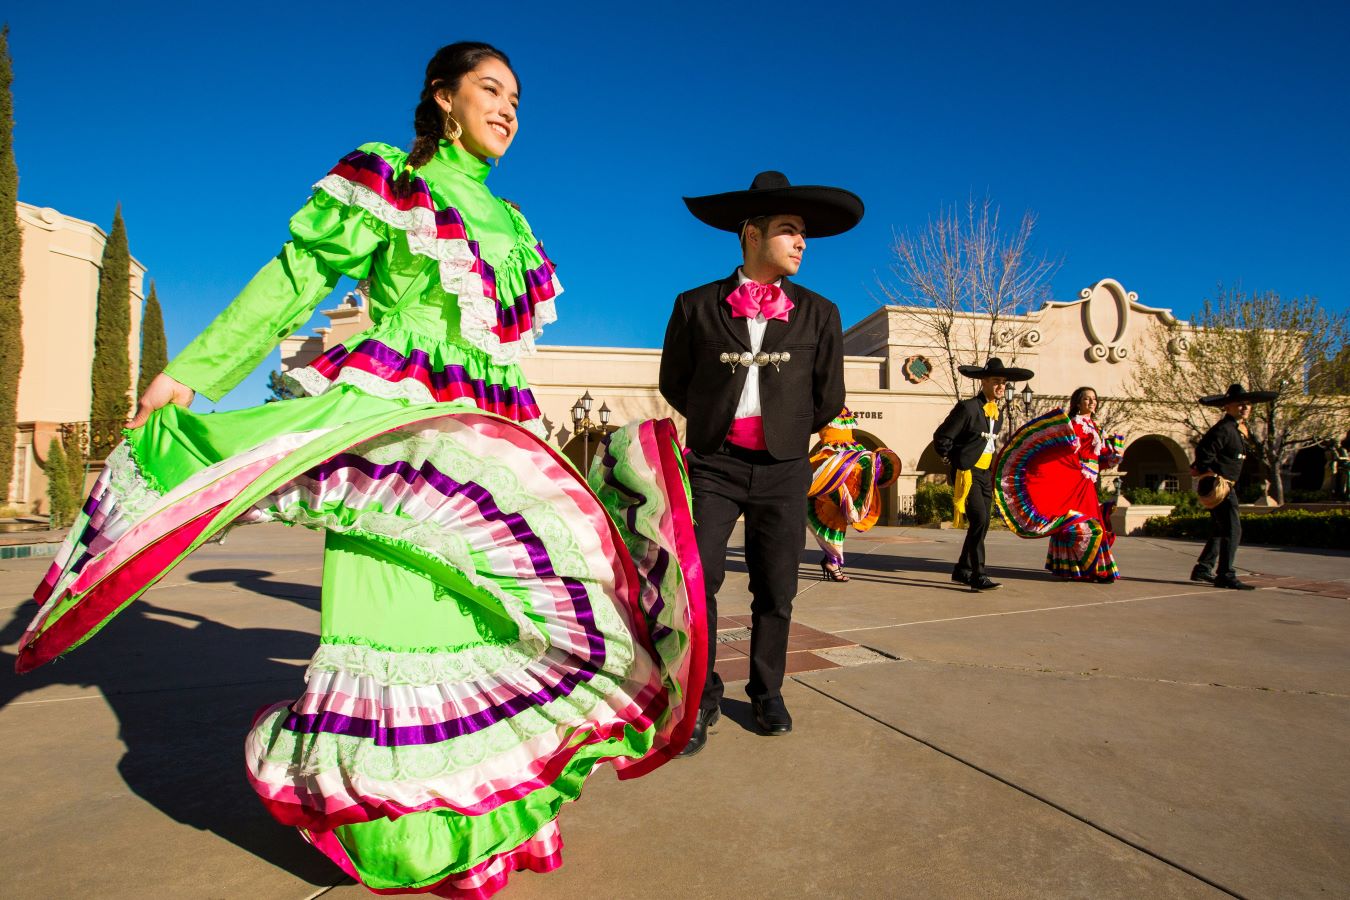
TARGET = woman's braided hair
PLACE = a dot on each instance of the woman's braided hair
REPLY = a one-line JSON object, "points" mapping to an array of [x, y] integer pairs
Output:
{"points": [[444, 73]]}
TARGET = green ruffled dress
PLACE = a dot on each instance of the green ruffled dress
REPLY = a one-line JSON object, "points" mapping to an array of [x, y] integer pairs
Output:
{"points": [[493, 625]]}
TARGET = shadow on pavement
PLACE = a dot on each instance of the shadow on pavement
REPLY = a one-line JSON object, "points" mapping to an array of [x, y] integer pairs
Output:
{"points": [[890, 569], [255, 581], [185, 689]]}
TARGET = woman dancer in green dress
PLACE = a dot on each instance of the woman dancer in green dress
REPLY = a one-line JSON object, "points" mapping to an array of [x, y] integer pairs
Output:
{"points": [[493, 626]]}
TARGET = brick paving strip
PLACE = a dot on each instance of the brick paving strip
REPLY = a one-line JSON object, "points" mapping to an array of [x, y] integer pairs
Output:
{"points": [[1337, 589], [809, 650]]}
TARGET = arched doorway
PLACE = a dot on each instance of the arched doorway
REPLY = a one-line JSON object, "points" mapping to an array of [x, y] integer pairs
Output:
{"points": [[890, 502], [1310, 471], [580, 449], [934, 468], [890, 499], [1156, 462]]}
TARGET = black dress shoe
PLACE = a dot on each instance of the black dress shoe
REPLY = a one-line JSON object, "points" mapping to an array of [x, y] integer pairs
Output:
{"points": [[961, 577], [704, 719], [1233, 584], [771, 715], [1199, 574], [983, 583]]}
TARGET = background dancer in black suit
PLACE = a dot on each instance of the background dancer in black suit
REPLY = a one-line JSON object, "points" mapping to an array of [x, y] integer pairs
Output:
{"points": [[755, 364], [966, 440], [1220, 453]]}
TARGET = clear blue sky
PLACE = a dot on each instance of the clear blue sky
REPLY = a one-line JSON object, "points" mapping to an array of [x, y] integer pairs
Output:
{"points": [[1171, 145]]}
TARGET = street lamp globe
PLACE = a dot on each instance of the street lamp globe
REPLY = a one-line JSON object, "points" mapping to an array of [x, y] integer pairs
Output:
{"points": [[604, 414], [1027, 394]]}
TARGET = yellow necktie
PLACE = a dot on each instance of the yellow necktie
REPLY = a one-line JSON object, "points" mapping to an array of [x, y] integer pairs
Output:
{"points": [[991, 412]]}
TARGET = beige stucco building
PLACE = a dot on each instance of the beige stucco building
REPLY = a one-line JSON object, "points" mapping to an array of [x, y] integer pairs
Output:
{"points": [[62, 261], [894, 373]]}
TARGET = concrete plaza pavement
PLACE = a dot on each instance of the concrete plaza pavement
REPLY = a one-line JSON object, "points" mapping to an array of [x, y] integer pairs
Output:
{"points": [[1151, 738]]}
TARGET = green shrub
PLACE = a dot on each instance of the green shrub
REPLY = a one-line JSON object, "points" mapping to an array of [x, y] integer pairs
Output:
{"points": [[1309, 497], [1285, 528], [933, 503], [1182, 501]]}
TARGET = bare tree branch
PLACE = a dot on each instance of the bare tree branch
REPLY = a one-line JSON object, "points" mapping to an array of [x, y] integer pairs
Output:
{"points": [[965, 287], [1264, 342]]}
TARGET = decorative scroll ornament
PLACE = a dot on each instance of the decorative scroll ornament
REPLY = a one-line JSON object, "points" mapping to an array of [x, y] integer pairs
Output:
{"points": [[1031, 338], [1107, 303], [1179, 345]]}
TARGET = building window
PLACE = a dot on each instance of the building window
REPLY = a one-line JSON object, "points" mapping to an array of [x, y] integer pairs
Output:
{"points": [[917, 369], [18, 488]]}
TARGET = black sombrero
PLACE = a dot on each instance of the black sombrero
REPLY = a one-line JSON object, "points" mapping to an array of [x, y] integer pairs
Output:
{"points": [[995, 368], [1238, 394], [826, 210]]}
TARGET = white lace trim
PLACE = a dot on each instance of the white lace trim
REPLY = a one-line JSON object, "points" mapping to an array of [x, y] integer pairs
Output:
{"points": [[309, 382], [134, 494], [478, 312], [424, 668]]}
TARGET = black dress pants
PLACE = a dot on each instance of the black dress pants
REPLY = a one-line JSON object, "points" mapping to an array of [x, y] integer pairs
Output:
{"points": [[771, 494], [1225, 533], [979, 504]]}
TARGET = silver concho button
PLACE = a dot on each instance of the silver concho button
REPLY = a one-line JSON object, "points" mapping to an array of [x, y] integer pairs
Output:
{"points": [[747, 358], [761, 358], [725, 358], [787, 357]]}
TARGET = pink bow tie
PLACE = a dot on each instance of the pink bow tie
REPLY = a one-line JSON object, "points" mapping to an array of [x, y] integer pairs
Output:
{"points": [[753, 298]]}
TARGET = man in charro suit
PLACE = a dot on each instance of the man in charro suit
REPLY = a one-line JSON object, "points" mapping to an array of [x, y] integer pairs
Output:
{"points": [[755, 363], [966, 439], [1221, 453]]}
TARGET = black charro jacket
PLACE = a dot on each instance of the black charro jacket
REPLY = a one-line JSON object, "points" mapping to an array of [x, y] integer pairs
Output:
{"points": [[960, 438], [797, 398], [1223, 449]]}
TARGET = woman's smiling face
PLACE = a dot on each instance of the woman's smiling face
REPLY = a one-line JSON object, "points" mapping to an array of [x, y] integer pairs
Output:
{"points": [[485, 106]]}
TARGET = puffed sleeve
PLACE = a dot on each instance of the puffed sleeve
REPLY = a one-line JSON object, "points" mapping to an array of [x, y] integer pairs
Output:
{"points": [[329, 239], [1112, 452]]}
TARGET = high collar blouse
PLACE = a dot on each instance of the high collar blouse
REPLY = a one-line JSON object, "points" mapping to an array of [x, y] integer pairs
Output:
{"points": [[441, 257]]}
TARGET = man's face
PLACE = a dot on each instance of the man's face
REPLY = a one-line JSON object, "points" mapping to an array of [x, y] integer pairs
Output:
{"points": [[1239, 410], [779, 249], [994, 388]]}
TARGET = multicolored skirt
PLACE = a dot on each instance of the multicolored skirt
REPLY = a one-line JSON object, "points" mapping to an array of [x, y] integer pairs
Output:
{"points": [[845, 493], [1043, 489], [493, 625]]}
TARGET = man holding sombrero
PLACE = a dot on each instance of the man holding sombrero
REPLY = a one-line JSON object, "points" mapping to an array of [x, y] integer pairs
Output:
{"points": [[1218, 463], [966, 440], [755, 364]]}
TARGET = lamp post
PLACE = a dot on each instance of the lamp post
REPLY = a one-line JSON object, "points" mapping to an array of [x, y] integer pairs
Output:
{"points": [[582, 424]]}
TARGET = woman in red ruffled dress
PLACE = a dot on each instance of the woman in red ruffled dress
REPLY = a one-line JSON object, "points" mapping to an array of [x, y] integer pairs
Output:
{"points": [[1047, 486]]}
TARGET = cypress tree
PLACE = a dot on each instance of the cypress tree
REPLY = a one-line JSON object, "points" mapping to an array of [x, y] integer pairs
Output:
{"points": [[154, 350], [111, 373], [74, 447], [58, 486], [11, 274]]}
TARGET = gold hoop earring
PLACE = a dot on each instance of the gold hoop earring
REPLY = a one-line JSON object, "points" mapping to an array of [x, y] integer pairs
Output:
{"points": [[453, 129]]}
